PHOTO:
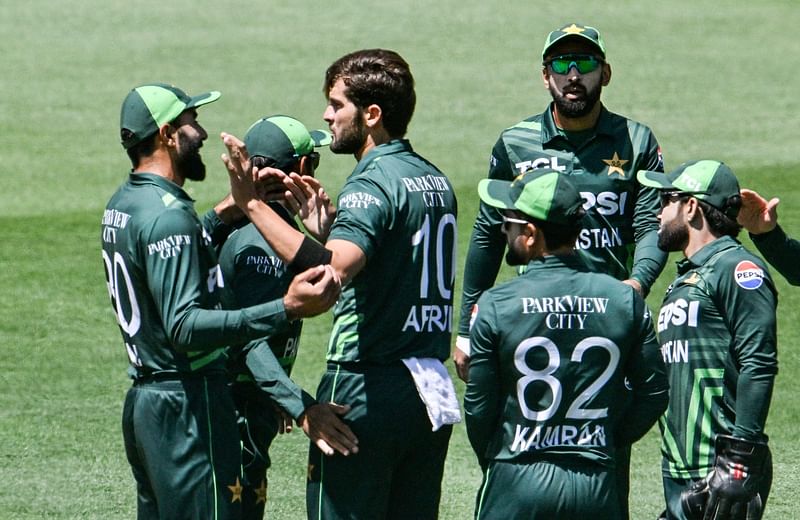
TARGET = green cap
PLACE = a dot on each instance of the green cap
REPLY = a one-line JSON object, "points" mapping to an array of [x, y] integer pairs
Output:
{"points": [[575, 30], [148, 107], [283, 139], [543, 194], [707, 180]]}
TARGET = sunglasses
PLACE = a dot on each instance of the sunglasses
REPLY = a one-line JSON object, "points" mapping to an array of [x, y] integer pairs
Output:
{"points": [[511, 220], [269, 162], [668, 197], [583, 63]]}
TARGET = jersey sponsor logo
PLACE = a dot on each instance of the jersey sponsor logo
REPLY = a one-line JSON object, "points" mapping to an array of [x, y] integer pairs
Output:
{"points": [[605, 202], [429, 318], [358, 200], [265, 264], [543, 437], [748, 275], [565, 312], [541, 162], [678, 313], [112, 221], [168, 247], [432, 188]]}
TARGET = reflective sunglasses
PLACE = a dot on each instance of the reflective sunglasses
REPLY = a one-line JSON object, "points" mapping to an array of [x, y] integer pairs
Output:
{"points": [[511, 220], [583, 63]]}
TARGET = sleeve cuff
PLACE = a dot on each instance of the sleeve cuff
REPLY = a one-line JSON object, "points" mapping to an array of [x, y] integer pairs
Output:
{"points": [[462, 344]]}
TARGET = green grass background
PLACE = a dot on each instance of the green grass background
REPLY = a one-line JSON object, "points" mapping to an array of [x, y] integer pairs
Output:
{"points": [[714, 79]]}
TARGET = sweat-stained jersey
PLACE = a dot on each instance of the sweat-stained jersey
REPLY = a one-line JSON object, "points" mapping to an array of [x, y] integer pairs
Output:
{"points": [[253, 274], [401, 211], [717, 333], [619, 231], [163, 280], [551, 352]]}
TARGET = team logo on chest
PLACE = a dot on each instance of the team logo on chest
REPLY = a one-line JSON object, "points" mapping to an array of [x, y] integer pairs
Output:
{"points": [[748, 275], [615, 165]]}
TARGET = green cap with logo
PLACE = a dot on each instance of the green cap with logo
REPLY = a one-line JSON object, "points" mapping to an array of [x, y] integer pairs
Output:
{"points": [[283, 139], [575, 30], [707, 180], [148, 107], [543, 194]]}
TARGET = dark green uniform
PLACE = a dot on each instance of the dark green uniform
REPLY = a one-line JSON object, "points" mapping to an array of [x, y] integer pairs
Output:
{"points": [[178, 422], [717, 332], [254, 274], [619, 233], [546, 403], [781, 252], [400, 210]]}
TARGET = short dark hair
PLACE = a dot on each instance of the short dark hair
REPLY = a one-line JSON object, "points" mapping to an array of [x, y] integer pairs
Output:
{"points": [[377, 76], [718, 222], [141, 149], [558, 235]]}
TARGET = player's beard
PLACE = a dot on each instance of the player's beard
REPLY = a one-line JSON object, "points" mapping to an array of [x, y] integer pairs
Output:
{"points": [[188, 162], [575, 109], [514, 257], [673, 235], [350, 139]]}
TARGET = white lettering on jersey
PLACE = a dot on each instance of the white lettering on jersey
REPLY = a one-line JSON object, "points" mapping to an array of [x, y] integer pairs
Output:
{"points": [[358, 200], [565, 312], [168, 247], [605, 202], [678, 313], [541, 162], [112, 221], [265, 264], [542, 437], [601, 238], [675, 351], [429, 318]]}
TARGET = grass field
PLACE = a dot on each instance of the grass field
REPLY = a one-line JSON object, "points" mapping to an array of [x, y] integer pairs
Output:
{"points": [[713, 79]]}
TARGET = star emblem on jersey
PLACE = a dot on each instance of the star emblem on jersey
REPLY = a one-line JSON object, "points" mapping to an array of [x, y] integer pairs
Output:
{"points": [[615, 164], [236, 490], [261, 492], [693, 279], [573, 29]]}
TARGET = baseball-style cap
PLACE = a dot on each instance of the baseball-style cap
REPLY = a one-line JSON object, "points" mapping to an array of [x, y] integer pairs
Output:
{"points": [[575, 30], [543, 194], [283, 139], [148, 107], [707, 180]]}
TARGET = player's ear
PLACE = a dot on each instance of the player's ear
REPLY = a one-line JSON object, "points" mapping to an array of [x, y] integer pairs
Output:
{"points": [[545, 76], [305, 166], [167, 134], [606, 74], [372, 115]]}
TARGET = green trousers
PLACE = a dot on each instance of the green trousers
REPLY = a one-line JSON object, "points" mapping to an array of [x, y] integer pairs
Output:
{"points": [[182, 444]]}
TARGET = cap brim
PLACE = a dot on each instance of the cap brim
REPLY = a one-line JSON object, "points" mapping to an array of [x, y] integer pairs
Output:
{"points": [[653, 179], [496, 193], [321, 138], [203, 99]]}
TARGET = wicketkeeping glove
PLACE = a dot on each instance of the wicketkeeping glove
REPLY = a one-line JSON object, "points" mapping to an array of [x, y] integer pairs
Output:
{"points": [[730, 491]]}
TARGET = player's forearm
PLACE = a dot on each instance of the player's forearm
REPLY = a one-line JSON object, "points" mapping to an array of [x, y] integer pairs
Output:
{"points": [[199, 329], [781, 252], [648, 261], [753, 397], [484, 257], [271, 378], [282, 237]]}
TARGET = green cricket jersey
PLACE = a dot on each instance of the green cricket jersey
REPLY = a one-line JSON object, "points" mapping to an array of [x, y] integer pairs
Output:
{"points": [[401, 211], [781, 252], [717, 332], [552, 352], [163, 279], [253, 273], [619, 232]]}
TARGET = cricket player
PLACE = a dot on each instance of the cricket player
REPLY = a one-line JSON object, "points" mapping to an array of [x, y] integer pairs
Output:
{"points": [[760, 218], [600, 151], [717, 333], [178, 423], [266, 399], [552, 352], [393, 246]]}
